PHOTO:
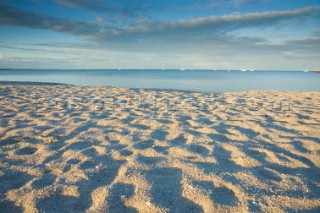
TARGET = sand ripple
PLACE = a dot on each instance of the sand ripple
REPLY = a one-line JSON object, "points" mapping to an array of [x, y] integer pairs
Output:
{"points": [[73, 149]]}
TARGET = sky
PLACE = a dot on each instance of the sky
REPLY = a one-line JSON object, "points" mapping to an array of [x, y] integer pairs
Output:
{"points": [[145, 34]]}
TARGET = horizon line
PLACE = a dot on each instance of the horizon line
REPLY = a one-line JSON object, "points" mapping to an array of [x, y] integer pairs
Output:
{"points": [[180, 69]]}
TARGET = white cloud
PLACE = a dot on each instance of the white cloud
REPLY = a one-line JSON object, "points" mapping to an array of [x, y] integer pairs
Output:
{"points": [[147, 27], [205, 42], [237, 20], [238, 2]]}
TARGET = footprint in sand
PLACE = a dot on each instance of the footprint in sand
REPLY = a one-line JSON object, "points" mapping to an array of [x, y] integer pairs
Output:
{"points": [[149, 160], [26, 151], [9, 180], [10, 141], [44, 181], [119, 192], [219, 195], [166, 191]]}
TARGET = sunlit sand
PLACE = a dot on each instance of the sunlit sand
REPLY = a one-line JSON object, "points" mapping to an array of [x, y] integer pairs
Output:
{"points": [[72, 149]]}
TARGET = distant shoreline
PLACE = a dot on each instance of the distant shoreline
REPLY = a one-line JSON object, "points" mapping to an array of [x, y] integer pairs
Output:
{"points": [[196, 81], [30, 83]]}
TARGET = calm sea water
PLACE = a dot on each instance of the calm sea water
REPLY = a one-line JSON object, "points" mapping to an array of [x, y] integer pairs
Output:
{"points": [[194, 80]]}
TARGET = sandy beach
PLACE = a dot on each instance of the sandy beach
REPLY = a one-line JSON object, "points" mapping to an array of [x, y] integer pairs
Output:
{"points": [[67, 148]]}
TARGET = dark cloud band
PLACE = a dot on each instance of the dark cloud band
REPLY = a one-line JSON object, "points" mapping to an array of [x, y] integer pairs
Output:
{"points": [[15, 17], [146, 28]]}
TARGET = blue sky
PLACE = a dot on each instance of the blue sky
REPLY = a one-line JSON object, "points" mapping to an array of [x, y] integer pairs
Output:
{"points": [[205, 34]]}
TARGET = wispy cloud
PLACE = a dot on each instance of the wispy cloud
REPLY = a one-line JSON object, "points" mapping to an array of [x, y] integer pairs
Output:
{"points": [[238, 2], [132, 7], [208, 40], [86, 4], [232, 3], [15, 17], [234, 21], [212, 24], [205, 29]]}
